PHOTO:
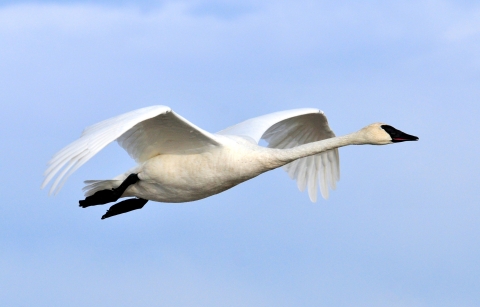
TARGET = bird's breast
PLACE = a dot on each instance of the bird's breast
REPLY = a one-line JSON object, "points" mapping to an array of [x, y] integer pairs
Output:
{"points": [[182, 178]]}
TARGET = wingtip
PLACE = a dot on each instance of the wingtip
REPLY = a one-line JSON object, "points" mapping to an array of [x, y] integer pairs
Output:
{"points": [[325, 195], [43, 185]]}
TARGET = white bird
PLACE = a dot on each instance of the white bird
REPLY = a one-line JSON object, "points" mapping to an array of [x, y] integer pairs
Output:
{"points": [[180, 162]]}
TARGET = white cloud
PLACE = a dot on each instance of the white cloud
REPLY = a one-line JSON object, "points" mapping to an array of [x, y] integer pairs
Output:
{"points": [[465, 28], [265, 33], [280, 27], [55, 17]]}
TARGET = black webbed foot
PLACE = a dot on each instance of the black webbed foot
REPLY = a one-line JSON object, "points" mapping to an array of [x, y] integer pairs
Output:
{"points": [[108, 196], [125, 206], [99, 198]]}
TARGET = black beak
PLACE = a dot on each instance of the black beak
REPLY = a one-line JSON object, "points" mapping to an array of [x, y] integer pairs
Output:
{"points": [[397, 135]]}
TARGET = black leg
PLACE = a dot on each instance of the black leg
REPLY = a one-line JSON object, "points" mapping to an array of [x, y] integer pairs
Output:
{"points": [[125, 206], [107, 196]]}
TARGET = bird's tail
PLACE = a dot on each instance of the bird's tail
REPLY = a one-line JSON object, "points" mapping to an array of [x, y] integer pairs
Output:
{"points": [[93, 186]]}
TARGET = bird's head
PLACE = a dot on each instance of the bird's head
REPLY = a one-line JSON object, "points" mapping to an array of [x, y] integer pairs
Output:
{"points": [[383, 134]]}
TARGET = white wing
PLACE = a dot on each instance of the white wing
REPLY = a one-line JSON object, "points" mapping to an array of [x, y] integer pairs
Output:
{"points": [[292, 128], [143, 133]]}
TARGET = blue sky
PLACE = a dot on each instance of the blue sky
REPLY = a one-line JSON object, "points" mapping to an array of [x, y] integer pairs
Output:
{"points": [[400, 230]]}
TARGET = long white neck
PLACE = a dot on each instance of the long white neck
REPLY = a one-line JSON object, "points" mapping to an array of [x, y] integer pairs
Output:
{"points": [[281, 157]]}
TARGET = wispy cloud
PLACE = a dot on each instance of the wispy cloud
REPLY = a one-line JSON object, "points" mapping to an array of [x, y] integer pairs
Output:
{"points": [[262, 37], [465, 28]]}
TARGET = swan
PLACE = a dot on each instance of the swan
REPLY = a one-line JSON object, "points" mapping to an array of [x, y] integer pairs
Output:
{"points": [[180, 162]]}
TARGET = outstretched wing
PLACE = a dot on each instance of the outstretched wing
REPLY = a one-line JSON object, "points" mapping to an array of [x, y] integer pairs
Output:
{"points": [[292, 128], [143, 133]]}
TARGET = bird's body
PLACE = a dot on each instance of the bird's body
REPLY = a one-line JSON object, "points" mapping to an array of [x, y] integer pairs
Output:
{"points": [[179, 162], [182, 178]]}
